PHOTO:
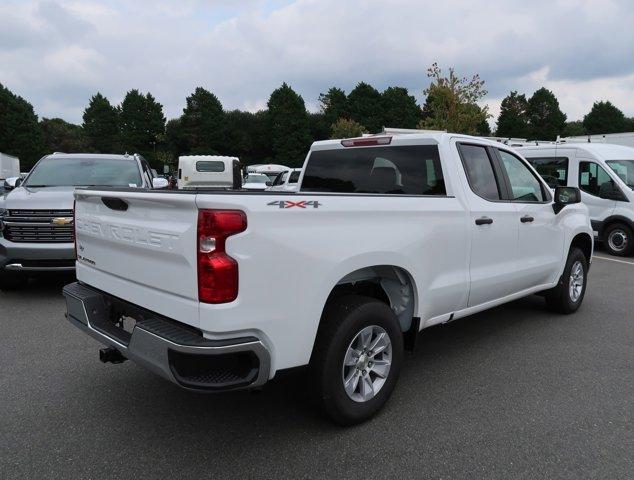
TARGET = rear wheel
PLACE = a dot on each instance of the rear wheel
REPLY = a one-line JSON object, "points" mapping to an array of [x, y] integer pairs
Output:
{"points": [[619, 240], [357, 358], [568, 295]]}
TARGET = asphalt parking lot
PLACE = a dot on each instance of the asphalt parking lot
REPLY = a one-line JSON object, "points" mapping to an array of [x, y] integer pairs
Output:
{"points": [[515, 392]]}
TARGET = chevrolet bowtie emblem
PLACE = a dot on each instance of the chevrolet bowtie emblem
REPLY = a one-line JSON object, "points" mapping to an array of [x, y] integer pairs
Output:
{"points": [[61, 221]]}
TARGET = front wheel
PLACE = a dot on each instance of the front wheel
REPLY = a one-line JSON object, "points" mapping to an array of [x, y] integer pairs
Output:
{"points": [[618, 240], [357, 358], [568, 295]]}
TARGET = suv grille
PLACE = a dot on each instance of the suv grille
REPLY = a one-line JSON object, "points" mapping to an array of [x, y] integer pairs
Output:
{"points": [[39, 226]]}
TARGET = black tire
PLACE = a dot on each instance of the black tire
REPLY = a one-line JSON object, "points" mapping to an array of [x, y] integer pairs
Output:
{"points": [[12, 281], [618, 240], [560, 298], [342, 321]]}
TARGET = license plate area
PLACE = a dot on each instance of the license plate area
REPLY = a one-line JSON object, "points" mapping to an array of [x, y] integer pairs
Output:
{"points": [[118, 319]]}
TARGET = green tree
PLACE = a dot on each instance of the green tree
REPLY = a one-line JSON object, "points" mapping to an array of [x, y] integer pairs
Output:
{"points": [[452, 102], [319, 127], [101, 126], [203, 123], [574, 129], [513, 119], [365, 107], [334, 105], [545, 117], [20, 133], [174, 138], [289, 126], [604, 118], [142, 124], [61, 136], [346, 128], [400, 109]]}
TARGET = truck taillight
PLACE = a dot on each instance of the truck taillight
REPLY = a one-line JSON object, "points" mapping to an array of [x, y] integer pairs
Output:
{"points": [[217, 271]]}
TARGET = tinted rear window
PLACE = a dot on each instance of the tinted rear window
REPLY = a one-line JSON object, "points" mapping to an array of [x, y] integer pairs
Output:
{"points": [[406, 170], [210, 166]]}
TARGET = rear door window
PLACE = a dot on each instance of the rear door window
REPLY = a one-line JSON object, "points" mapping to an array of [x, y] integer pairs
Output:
{"points": [[393, 170], [554, 170], [478, 166]]}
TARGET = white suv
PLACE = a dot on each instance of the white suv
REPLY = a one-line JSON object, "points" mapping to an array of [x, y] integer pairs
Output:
{"points": [[605, 175]]}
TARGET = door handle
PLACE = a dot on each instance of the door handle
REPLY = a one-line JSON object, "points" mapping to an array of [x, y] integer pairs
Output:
{"points": [[483, 221], [526, 219]]}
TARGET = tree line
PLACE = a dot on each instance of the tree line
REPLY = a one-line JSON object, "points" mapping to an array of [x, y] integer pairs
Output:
{"points": [[283, 132]]}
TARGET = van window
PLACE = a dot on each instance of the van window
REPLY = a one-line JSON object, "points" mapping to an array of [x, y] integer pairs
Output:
{"points": [[388, 170], [479, 169], [624, 169], [525, 187], [554, 170], [592, 178], [210, 166], [294, 177]]}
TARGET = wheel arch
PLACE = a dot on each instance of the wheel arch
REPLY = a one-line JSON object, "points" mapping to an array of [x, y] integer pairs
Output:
{"points": [[583, 241], [390, 284], [611, 220]]}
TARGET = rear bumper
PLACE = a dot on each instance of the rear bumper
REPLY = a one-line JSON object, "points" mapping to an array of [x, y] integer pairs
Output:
{"points": [[36, 257], [175, 351]]}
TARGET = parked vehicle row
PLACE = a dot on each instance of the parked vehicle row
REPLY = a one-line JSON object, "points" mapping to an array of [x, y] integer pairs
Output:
{"points": [[385, 236], [605, 175], [36, 216]]}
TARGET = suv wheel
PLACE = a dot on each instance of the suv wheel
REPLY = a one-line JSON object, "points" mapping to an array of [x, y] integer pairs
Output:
{"points": [[619, 240], [357, 358], [568, 295]]}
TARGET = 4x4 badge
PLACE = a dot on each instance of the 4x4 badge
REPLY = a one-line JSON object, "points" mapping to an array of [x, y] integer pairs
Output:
{"points": [[291, 204]]}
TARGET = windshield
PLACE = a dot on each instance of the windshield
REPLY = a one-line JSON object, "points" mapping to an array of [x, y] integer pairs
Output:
{"points": [[624, 169], [257, 178], [72, 172]]}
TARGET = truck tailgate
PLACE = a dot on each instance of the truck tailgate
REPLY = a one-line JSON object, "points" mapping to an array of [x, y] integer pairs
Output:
{"points": [[140, 246]]}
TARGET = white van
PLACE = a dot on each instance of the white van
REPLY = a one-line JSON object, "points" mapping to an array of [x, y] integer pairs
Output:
{"points": [[286, 181], [605, 175], [271, 170], [199, 171]]}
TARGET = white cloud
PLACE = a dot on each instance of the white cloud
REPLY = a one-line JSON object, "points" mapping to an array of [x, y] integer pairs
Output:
{"points": [[58, 53]]}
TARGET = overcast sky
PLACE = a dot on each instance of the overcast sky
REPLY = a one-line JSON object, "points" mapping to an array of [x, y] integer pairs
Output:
{"points": [[58, 53]]}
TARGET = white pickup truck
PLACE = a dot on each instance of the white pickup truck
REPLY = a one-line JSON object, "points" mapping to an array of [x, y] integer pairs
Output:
{"points": [[386, 236]]}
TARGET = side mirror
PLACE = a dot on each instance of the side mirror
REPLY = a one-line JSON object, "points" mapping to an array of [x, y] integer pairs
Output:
{"points": [[158, 183], [565, 196], [12, 182]]}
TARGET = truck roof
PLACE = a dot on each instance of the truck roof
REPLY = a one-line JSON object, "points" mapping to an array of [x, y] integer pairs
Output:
{"points": [[403, 135], [92, 156]]}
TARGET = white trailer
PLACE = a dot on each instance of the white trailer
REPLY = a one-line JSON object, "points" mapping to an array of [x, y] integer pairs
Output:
{"points": [[9, 166], [199, 171]]}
